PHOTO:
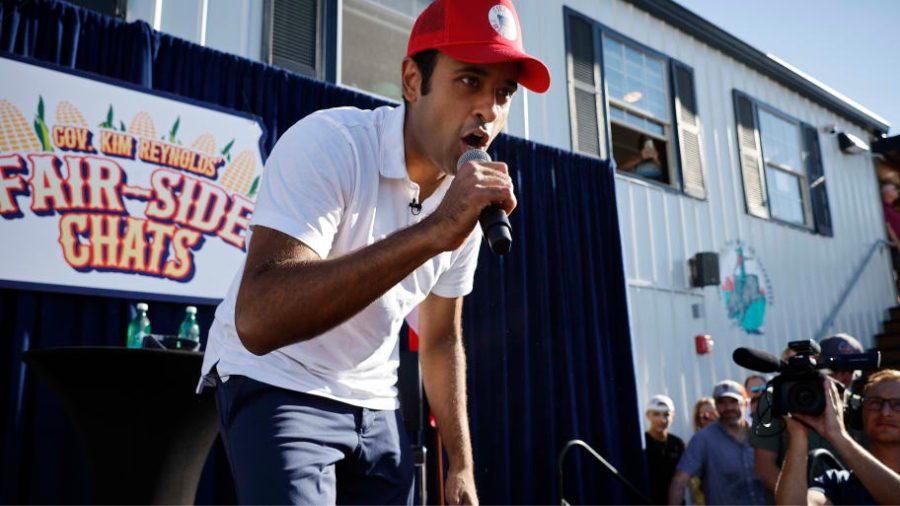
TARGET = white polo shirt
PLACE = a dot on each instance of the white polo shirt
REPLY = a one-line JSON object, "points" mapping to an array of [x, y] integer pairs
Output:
{"points": [[337, 181]]}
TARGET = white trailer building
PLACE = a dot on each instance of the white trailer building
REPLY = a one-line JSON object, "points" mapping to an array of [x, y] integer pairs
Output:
{"points": [[750, 163]]}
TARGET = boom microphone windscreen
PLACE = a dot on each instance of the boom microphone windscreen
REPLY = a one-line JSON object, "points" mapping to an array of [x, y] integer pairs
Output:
{"points": [[756, 360]]}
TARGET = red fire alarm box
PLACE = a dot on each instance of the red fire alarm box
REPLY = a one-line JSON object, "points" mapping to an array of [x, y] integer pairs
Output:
{"points": [[704, 344]]}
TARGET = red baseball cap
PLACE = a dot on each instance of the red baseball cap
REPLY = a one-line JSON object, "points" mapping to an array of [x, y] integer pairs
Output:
{"points": [[478, 31]]}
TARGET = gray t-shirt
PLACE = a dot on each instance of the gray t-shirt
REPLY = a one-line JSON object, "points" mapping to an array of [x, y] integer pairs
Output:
{"points": [[724, 466]]}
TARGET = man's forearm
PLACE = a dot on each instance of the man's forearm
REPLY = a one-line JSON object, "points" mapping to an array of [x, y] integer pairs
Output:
{"points": [[791, 487], [444, 376], [882, 482], [676, 487], [289, 300], [766, 467]]}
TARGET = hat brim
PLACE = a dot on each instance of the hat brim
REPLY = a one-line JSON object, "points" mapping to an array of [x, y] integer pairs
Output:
{"points": [[733, 395], [533, 74]]}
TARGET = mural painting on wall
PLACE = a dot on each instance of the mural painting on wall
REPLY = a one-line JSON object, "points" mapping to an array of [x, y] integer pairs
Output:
{"points": [[746, 286], [110, 188]]}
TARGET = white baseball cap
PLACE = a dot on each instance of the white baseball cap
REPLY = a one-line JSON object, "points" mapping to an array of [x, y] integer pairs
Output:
{"points": [[661, 403]]}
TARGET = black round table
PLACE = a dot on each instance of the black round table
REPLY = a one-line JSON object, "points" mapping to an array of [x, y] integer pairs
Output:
{"points": [[146, 434]]}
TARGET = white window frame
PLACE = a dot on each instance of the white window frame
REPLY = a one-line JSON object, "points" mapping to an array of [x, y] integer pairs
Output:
{"points": [[637, 111]]}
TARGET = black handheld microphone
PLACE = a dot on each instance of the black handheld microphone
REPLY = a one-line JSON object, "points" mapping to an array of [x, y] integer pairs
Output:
{"points": [[756, 360], [493, 219]]}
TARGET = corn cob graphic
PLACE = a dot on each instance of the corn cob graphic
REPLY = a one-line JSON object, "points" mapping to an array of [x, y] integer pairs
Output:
{"points": [[142, 126], [238, 175], [68, 114], [206, 144], [15, 134]]}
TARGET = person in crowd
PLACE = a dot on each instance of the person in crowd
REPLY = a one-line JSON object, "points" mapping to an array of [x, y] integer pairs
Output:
{"points": [[841, 344], [871, 477], [720, 455], [889, 197], [303, 349], [755, 384], [663, 449], [704, 414]]}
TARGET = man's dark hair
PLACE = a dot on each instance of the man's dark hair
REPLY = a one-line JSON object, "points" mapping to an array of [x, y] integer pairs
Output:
{"points": [[425, 60]]}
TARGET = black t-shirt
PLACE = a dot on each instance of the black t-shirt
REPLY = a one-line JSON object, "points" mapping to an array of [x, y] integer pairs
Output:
{"points": [[842, 487], [662, 457]]}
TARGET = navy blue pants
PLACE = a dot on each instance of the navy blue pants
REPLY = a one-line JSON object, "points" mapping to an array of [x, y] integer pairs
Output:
{"points": [[287, 447]]}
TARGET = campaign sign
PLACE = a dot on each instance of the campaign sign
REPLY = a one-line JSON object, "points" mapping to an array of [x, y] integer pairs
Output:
{"points": [[109, 188]]}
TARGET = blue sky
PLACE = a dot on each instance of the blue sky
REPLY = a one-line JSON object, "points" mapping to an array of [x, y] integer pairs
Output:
{"points": [[851, 46]]}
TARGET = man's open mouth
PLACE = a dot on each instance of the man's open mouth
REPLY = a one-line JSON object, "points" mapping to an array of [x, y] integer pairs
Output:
{"points": [[477, 139]]}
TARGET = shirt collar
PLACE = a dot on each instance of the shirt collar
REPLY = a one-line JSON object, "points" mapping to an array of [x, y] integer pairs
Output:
{"points": [[725, 433], [393, 151]]}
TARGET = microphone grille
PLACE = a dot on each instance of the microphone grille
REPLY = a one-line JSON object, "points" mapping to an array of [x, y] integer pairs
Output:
{"points": [[473, 155]]}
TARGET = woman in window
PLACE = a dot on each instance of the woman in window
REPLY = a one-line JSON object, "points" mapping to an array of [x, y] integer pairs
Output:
{"points": [[646, 163]]}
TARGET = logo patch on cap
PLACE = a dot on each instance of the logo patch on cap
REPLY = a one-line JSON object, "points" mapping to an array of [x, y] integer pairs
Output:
{"points": [[503, 22]]}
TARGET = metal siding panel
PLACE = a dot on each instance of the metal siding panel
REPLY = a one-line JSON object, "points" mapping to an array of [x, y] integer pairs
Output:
{"points": [[641, 231], [642, 349], [181, 18], [678, 251], [657, 227], [625, 201]]}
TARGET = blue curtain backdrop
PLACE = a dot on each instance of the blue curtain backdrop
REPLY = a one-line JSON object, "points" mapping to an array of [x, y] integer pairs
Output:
{"points": [[546, 326]]}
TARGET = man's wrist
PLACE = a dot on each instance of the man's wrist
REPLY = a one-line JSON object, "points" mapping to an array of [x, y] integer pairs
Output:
{"points": [[433, 229], [840, 440], [462, 468], [798, 442]]}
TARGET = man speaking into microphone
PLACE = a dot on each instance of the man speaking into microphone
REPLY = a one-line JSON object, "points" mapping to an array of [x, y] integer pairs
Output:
{"points": [[362, 216]]}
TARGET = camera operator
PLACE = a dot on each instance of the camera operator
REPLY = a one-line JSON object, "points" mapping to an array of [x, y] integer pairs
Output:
{"points": [[770, 445], [872, 477]]}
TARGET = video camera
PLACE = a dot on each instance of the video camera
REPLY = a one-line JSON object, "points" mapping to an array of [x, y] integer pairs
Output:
{"points": [[798, 387]]}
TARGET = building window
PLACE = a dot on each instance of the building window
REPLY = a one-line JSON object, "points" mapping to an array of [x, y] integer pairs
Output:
{"points": [[638, 110], [785, 177], [374, 37], [653, 129], [781, 166]]}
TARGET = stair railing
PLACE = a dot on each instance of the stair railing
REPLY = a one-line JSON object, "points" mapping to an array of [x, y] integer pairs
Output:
{"points": [[599, 458], [829, 320]]}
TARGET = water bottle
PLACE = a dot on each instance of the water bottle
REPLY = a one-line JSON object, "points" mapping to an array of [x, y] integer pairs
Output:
{"points": [[189, 329], [139, 326]]}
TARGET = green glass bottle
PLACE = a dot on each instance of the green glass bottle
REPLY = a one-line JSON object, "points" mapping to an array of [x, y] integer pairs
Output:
{"points": [[189, 329], [139, 326]]}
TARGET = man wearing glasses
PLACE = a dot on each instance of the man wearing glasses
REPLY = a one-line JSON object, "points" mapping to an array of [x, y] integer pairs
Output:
{"points": [[873, 477], [755, 385]]}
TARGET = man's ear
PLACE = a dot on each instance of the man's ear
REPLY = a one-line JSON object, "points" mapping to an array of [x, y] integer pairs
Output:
{"points": [[411, 80]]}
